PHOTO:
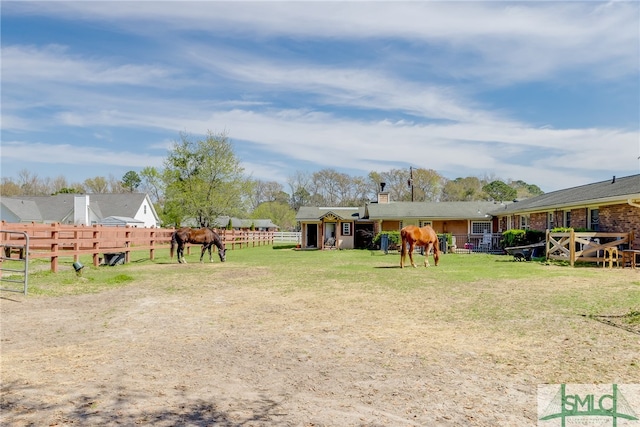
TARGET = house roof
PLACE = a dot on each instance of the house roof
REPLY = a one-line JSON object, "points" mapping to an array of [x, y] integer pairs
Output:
{"points": [[223, 221], [430, 210], [57, 207], [612, 190], [120, 220], [26, 210], [314, 213]]}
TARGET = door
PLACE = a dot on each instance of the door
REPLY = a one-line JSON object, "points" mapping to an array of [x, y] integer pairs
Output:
{"points": [[312, 235], [330, 234]]}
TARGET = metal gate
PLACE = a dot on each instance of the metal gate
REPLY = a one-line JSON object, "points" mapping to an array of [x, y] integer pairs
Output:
{"points": [[9, 264]]}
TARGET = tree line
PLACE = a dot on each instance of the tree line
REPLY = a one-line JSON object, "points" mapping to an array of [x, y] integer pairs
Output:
{"points": [[202, 179]]}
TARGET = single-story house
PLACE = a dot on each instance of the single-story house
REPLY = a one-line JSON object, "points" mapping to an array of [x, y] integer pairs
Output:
{"points": [[133, 209], [608, 206], [353, 227]]}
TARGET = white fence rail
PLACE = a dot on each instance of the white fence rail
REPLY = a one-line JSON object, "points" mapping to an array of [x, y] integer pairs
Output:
{"points": [[287, 237]]}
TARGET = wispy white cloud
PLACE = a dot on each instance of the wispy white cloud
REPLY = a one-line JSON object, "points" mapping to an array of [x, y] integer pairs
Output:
{"points": [[68, 154], [55, 64], [412, 101]]}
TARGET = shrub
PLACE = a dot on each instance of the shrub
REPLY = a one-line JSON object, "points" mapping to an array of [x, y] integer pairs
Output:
{"points": [[513, 238], [521, 237], [394, 237]]}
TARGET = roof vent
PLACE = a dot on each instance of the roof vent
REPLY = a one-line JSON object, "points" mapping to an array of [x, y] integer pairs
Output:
{"points": [[613, 181], [382, 184]]}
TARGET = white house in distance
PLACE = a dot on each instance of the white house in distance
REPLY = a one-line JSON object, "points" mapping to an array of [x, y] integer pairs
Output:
{"points": [[132, 209]]}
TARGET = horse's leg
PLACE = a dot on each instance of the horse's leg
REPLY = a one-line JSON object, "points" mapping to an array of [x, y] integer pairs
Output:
{"points": [[436, 254], [412, 246], [427, 249], [210, 255], [403, 252], [181, 254], [204, 249]]}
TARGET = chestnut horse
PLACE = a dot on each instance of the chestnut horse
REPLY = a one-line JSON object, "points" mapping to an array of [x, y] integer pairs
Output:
{"points": [[419, 236], [203, 236]]}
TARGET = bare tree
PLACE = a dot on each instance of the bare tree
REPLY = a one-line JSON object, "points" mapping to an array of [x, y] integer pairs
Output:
{"points": [[97, 185]]}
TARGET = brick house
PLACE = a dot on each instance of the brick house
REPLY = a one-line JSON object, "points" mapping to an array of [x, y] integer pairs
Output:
{"points": [[354, 227], [607, 206]]}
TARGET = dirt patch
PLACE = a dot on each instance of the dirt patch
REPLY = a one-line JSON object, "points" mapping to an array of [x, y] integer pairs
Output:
{"points": [[240, 352]]}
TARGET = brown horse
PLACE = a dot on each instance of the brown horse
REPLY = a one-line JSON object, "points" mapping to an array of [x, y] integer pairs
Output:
{"points": [[203, 236], [419, 236]]}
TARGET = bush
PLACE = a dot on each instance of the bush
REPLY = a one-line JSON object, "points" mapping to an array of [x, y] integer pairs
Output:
{"points": [[521, 237], [394, 237], [448, 236]]}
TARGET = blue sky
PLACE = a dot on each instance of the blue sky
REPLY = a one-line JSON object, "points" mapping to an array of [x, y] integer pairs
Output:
{"points": [[545, 92]]}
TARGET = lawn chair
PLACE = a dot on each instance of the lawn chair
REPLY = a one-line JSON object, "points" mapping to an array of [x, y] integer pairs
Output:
{"points": [[486, 245]]}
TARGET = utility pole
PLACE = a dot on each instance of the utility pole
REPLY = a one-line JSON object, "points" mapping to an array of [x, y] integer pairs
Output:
{"points": [[410, 181]]}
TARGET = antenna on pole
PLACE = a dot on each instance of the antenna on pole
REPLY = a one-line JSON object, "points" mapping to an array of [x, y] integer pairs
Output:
{"points": [[410, 181]]}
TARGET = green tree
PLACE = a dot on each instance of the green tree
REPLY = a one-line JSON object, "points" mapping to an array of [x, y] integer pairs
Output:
{"points": [[131, 181], [526, 190], [427, 185], [97, 185], [499, 191], [462, 189], [67, 190], [279, 213], [204, 179]]}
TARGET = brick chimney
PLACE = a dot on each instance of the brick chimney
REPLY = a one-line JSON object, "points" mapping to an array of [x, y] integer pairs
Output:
{"points": [[383, 196]]}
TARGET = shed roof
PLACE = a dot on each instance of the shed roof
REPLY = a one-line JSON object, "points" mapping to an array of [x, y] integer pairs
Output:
{"points": [[314, 213]]}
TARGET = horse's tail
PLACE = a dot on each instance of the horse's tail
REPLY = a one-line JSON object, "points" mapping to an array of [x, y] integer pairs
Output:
{"points": [[436, 251], [174, 241], [403, 240], [403, 248]]}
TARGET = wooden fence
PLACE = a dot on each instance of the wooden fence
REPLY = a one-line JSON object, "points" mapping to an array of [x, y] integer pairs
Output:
{"points": [[58, 240], [584, 246]]}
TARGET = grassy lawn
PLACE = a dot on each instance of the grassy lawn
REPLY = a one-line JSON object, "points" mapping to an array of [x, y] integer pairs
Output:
{"points": [[485, 285]]}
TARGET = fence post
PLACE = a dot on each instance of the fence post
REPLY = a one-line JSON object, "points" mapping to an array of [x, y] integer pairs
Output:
{"points": [[127, 244], [152, 242], [548, 245], [572, 247], [54, 248], [96, 245]]}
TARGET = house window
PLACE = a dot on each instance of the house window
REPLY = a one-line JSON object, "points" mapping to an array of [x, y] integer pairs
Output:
{"points": [[424, 223], [145, 209], [480, 227], [524, 222], [594, 219], [550, 220], [567, 219], [346, 229]]}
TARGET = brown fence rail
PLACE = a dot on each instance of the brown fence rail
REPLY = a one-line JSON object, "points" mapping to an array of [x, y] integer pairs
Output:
{"points": [[60, 240]]}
